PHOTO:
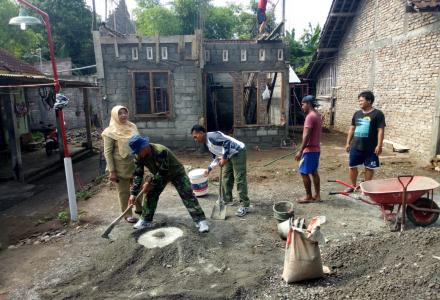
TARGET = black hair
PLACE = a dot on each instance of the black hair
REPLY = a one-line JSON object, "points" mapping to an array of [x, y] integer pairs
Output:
{"points": [[198, 128], [368, 95]]}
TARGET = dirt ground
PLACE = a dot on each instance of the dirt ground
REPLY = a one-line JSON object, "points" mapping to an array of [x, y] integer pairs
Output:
{"points": [[240, 258]]}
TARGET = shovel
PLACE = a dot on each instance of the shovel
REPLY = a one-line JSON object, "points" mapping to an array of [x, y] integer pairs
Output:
{"points": [[116, 221], [219, 210]]}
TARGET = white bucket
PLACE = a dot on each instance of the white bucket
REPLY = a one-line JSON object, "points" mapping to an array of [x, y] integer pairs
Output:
{"points": [[199, 182]]}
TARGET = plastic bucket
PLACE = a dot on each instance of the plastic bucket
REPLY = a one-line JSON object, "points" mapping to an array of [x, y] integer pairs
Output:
{"points": [[283, 210], [199, 182]]}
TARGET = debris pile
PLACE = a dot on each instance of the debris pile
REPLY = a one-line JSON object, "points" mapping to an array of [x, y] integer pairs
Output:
{"points": [[435, 163], [40, 238], [374, 266], [78, 136]]}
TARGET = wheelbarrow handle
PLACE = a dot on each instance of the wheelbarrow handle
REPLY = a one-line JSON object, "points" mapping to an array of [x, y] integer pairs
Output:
{"points": [[405, 184]]}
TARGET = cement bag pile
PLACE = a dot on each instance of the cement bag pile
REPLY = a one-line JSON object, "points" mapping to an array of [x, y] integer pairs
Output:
{"points": [[302, 260]]}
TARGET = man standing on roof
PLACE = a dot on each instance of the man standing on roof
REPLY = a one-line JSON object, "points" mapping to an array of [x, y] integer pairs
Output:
{"points": [[231, 154], [308, 155], [164, 167], [261, 15], [365, 138]]}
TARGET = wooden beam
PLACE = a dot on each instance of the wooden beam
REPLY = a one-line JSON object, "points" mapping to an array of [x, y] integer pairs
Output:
{"points": [[327, 49], [87, 117], [13, 137], [343, 14]]}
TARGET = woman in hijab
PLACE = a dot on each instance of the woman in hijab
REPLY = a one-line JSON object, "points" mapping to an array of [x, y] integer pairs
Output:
{"points": [[120, 163]]}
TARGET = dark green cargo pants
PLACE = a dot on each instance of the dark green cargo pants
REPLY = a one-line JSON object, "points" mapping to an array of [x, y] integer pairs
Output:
{"points": [[235, 170], [183, 187]]}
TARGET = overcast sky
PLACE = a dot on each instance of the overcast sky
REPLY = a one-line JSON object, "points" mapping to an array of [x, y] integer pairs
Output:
{"points": [[298, 12]]}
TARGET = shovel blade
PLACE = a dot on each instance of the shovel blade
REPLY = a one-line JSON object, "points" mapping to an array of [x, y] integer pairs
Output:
{"points": [[219, 211]]}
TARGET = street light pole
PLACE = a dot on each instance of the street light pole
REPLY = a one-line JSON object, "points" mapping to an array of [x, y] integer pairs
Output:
{"points": [[59, 112]]}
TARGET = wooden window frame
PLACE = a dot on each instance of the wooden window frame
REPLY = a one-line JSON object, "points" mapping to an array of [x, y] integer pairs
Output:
{"points": [[282, 75], [154, 115]]}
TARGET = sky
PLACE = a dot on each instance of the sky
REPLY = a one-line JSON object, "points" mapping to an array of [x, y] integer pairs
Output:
{"points": [[298, 12]]}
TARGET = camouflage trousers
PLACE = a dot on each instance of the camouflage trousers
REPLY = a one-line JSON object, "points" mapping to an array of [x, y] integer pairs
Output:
{"points": [[183, 187]]}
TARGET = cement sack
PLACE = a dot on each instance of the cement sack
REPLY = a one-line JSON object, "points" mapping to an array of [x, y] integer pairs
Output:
{"points": [[302, 260]]}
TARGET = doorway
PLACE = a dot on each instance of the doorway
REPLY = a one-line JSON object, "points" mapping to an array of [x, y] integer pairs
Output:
{"points": [[219, 102]]}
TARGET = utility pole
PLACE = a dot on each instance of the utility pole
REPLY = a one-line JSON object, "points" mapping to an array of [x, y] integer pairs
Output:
{"points": [[94, 27], [284, 17]]}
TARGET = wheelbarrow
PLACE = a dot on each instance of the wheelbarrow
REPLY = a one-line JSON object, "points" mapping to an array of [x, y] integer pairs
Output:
{"points": [[412, 195]]}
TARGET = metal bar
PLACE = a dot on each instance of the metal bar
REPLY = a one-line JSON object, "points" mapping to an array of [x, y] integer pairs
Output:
{"points": [[423, 209]]}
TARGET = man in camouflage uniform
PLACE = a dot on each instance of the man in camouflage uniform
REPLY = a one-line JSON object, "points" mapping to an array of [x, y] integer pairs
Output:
{"points": [[164, 167]]}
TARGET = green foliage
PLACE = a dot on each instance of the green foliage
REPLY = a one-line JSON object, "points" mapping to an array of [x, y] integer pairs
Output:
{"points": [[71, 31], [12, 39], [156, 19], [147, 3], [63, 217], [219, 23], [84, 195], [302, 50], [38, 136], [71, 22], [184, 16]]}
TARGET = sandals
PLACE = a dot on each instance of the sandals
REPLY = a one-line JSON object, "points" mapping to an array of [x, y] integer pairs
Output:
{"points": [[304, 201], [131, 219]]}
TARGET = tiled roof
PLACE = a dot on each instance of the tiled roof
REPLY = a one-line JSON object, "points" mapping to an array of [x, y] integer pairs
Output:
{"points": [[11, 64], [425, 5]]}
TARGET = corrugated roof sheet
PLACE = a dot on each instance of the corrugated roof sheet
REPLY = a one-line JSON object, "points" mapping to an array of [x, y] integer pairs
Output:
{"points": [[425, 5], [11, 64]]}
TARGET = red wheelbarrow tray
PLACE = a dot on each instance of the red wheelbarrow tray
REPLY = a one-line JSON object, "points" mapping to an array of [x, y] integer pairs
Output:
{"points": [[389, 191]]}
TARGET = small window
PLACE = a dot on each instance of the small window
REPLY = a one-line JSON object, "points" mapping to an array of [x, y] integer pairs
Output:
{"points": [[207, 55], [151, 93], [262, 55], [134, 53], [150, 53], [225, 55], [164, 52], [243, 55], [280, 54]]}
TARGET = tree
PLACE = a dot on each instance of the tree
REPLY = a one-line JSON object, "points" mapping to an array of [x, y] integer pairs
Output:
{"points": [[71, 22], [219, 23], [12, 39], [189, 13], [302, 50], [157, 20]]}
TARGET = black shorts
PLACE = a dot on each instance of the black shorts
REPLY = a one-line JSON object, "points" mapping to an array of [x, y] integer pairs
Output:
{"points": [[261, 16]]}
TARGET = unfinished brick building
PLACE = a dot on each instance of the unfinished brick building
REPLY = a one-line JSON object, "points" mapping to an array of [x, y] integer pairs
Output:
{"points": [[392, 48], [171, 83]]}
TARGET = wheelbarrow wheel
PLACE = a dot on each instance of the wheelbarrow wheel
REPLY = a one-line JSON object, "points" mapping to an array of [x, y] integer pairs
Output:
{"points": [[422, 218]]}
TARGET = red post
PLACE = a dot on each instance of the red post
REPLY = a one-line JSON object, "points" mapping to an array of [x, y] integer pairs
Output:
{"points": [[60, 114]]}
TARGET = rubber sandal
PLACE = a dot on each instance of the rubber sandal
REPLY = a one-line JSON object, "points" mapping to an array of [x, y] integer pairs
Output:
{"points": [[131, 219], [303, 201]]}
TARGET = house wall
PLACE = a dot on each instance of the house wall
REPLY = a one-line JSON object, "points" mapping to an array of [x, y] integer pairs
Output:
{"points": [[187, 68], [185, 83], [396, 54], [74, 115]]}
